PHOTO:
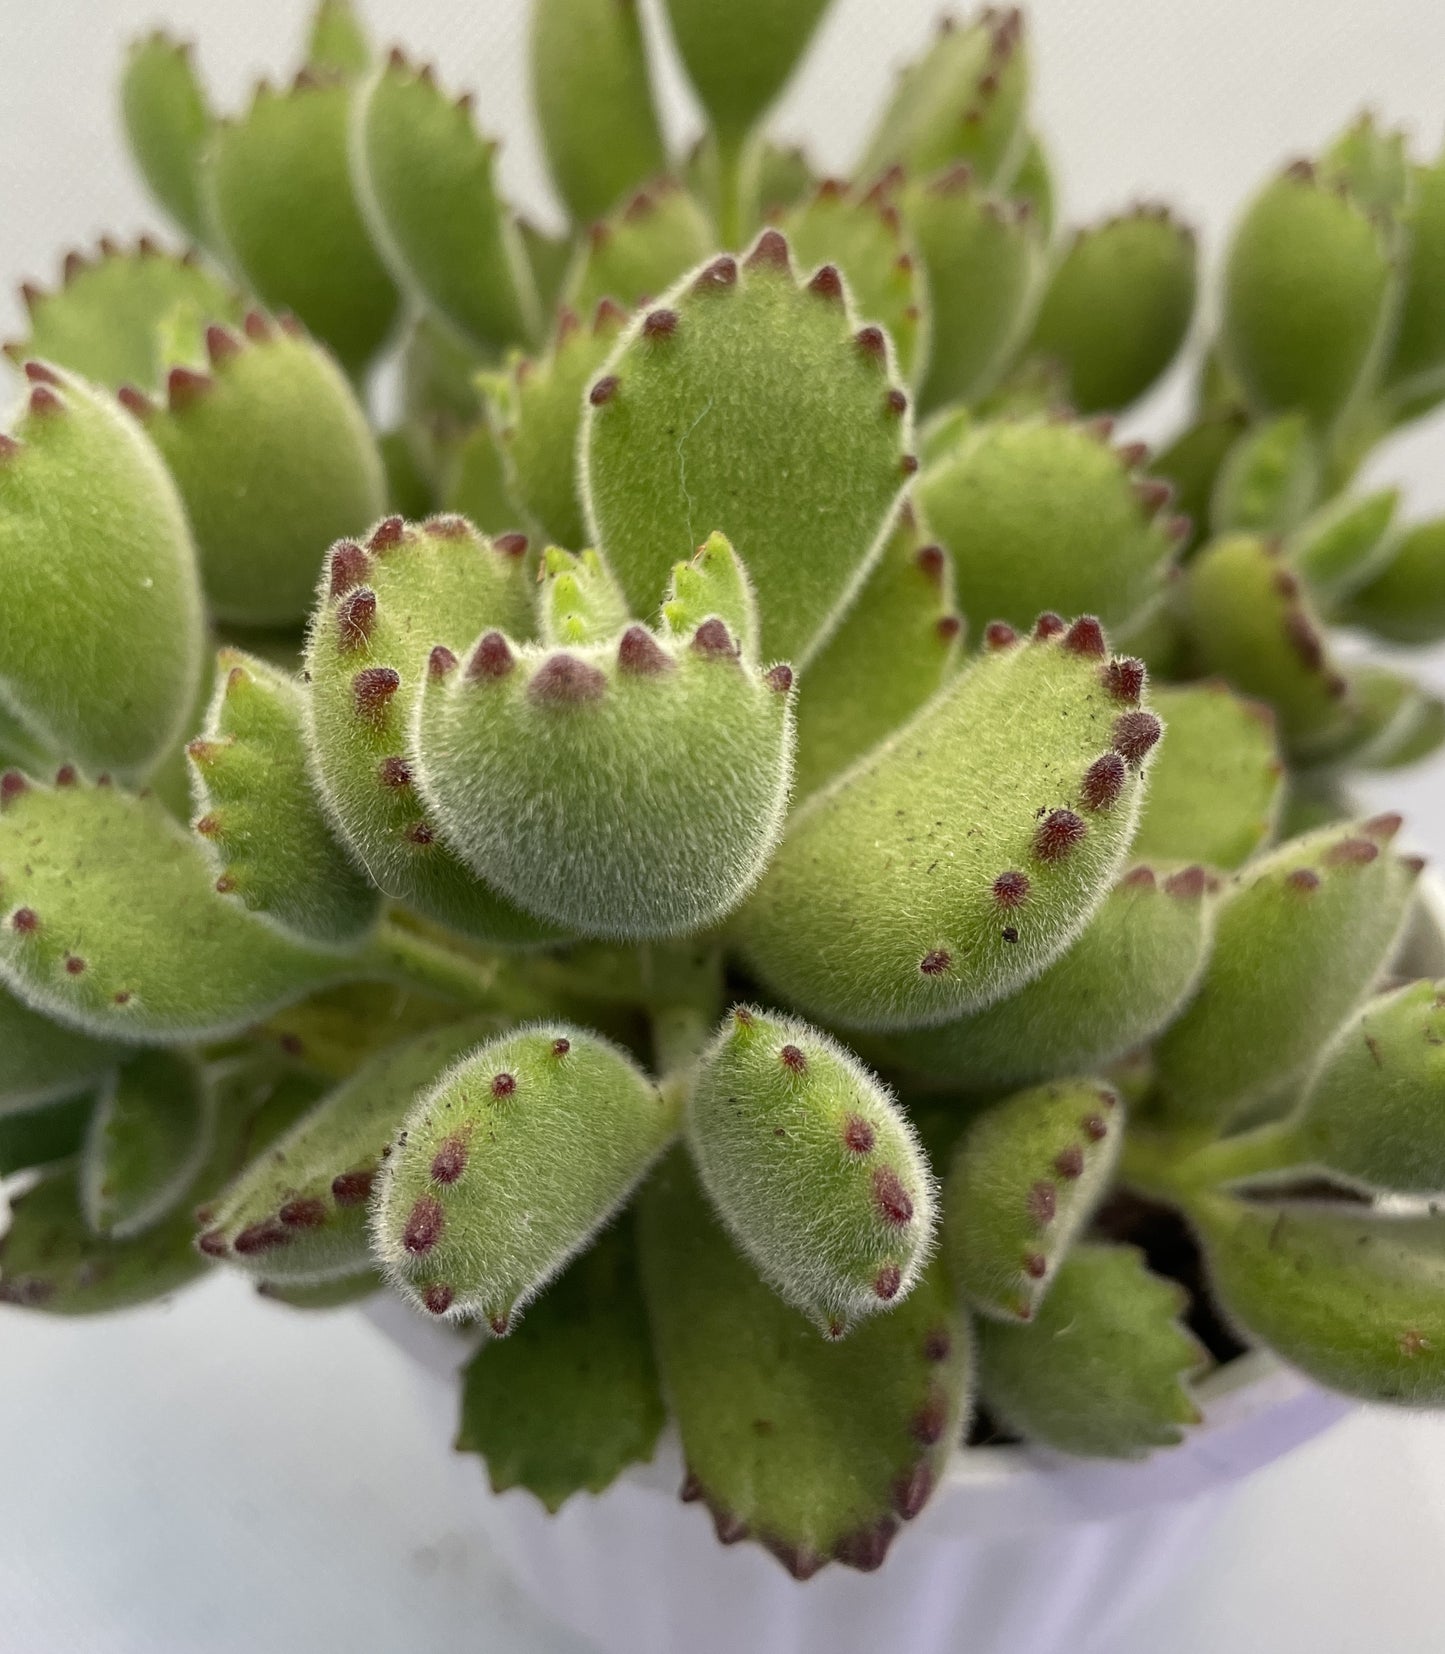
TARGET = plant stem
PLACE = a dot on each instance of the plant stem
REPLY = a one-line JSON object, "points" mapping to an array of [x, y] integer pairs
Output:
{"points": [[412, 961], [1178, 1165]]}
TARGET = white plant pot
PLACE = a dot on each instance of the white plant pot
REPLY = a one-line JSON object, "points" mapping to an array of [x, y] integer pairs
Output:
{"points": [[1019, 1551]]}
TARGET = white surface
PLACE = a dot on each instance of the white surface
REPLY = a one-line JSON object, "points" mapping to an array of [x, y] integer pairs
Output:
{"points": [[222, 1476]]}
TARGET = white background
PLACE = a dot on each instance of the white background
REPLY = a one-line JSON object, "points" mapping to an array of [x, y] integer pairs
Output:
{"points": [[220, 1476]]}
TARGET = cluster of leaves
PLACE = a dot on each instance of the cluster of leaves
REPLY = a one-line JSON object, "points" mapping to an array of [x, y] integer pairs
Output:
{"points": [[637, 813]]}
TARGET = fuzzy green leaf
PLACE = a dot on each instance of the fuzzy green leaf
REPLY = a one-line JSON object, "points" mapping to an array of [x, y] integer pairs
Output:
{"points": [[336, 41], [895, 648], [168, 125], [113, 924], [100, 630], [298, 1214], [279, 190], [1118, 306], [383, 606], [740, 56], [151, 1131], [814, 1169], [1126, 977], [271, 452], [1356, 1302], [1307, 297], [43, 1061], [1250, 621], [593, 97], [1217, 786], [1026, 1178], [1101, 1369], [1270, 479], [815, 1449], [1346, 543], [1415, 373], [580, 601], [273, 843], [963, 100], [41, 1134], [1041, 514], [1299, 937], [864, 238], [509, 1166], [749, 404], [1192, 462], [641, 250], [427, 185], [536, 411], [113, 315], [984, 260], [970, 848], [652, 773], [1373, 1112], [570, 1402], [1405, 601]]}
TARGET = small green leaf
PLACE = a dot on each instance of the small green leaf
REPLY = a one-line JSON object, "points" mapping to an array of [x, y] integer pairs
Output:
{"points": [[336, 41], [1026, 1178], [112, 315], [1118, 306], [428, 189], [1217, 786], [1046, 514], [1405, 601], [272, 842], [1415, 373], [536, 410], [593, 97], [862, 235], [1345, 544], [740, 56], [1101, 1369], [101, 626], [963, 100], [1373, 1112], [298, 1213], [1250, 620], [273, 457], [382, 607], [509, 1166], [136, 944], [652, 773], [894, 649], [150, 1133], [168, 125], [1299, 937], [983, 255], [641, 250], [571, 1401], [1307, 297], [44, 1062], [814, 1169], [279, 191], [1270, 479]]}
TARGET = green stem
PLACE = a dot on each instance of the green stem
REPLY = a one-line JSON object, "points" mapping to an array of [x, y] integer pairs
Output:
{"points": [[733, 182], [411, 961], [1269, 1148], [1176, 1166]]}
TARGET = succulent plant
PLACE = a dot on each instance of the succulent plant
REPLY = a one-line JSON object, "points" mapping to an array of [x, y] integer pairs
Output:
{"points": [[784, 849]]}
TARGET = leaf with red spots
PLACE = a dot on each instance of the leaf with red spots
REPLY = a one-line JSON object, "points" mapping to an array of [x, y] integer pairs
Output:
{"points": [[813, 1167], [1026, 1177], [304, 1185], [818, 1450]]}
